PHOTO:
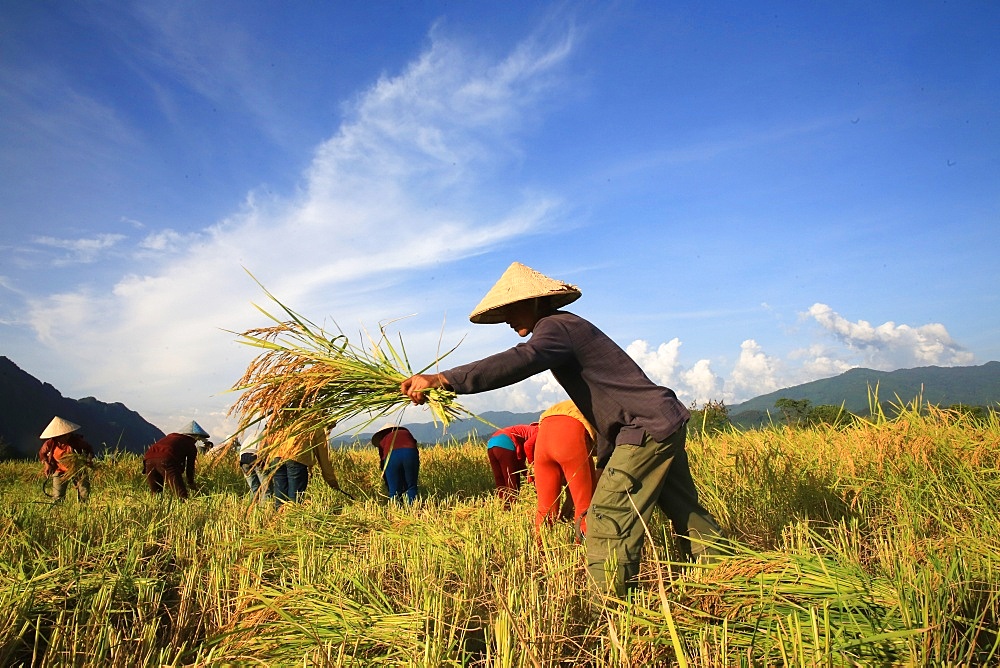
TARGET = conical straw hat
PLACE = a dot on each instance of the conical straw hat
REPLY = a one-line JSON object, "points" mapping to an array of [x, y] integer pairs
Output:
{"points": [[377, 436], [517, 284], [192, 428], [59, 427]]}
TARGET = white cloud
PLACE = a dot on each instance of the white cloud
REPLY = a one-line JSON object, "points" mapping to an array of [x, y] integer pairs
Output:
{"points": [[818, 361], [404, 184], [754, 373], [166, 240], [892, 346], [660, 364], [701, 384]]}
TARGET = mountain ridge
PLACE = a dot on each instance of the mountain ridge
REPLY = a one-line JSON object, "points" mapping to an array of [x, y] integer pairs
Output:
{"points": [[27, 405], [941, 386]]}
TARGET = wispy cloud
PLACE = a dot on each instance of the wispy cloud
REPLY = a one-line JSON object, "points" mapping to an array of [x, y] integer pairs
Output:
{"points": [[40, 103], [166, 241], [80, 251], [405, 183]]}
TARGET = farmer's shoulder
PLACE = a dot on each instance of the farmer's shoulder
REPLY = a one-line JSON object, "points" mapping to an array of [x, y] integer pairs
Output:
{"points": [[566, 324]]}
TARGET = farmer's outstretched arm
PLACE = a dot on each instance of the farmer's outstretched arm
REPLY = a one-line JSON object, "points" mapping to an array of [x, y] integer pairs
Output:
{"points": [[415, 386]]}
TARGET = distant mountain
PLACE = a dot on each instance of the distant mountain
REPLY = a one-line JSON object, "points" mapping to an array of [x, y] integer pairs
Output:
{"points": [[27, 405], [940, 386]]}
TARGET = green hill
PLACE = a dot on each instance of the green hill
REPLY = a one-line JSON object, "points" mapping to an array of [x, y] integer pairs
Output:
{"points": [[940, 386]]}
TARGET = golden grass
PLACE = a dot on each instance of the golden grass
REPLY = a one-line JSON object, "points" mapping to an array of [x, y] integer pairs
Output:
{"points": [[833, 565]]}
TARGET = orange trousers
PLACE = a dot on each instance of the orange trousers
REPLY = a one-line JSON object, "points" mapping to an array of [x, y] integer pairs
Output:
{"points": [[562, 452]]}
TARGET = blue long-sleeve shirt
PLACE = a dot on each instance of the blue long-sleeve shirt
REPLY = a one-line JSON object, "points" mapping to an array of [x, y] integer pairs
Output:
{"points": [[608, 387]]}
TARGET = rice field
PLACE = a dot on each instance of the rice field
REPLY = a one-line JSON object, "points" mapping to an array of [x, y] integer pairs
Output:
{"points": [[876, 544]]}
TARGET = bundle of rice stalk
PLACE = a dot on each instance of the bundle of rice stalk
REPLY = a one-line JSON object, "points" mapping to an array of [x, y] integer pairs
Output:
{"points": [[308, 379], [75, 464]]}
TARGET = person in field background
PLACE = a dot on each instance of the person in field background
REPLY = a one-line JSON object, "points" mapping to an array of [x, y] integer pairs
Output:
{"points": [[506, 450], [641, 427], [172, 458], [399, 461], [562, 456], [291, 457], [66, 458], [252, 468]]}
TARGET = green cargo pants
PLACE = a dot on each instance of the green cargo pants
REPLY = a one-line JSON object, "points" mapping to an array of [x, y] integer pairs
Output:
{"points": [[637, 478]]}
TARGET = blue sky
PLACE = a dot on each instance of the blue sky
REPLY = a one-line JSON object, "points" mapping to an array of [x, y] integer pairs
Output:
{"points": [[749, 195]]}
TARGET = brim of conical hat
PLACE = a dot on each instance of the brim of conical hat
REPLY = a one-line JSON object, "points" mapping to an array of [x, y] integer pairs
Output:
{"points": [[377, 436], [517, 284], [59, 427], [192, 428]]}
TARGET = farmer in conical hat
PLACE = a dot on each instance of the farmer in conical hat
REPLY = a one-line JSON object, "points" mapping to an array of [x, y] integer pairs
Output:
{"points": [[640, 426], [399, 459], [66, 457], [201, 436], [171, 457]]}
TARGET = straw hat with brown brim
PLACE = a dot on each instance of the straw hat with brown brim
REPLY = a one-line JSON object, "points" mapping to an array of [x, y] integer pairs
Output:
{"points": [[377, 436], [59, 427], [517, 284]]}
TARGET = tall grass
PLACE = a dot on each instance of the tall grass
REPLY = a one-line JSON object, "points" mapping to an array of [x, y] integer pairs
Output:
{"points": [[872, 544]]}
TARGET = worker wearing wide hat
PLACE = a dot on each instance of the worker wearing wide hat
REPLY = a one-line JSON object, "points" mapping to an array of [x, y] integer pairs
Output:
{"points": [[66, 457], [171, 458], [194, 430], [640, 426], [399, 459]]}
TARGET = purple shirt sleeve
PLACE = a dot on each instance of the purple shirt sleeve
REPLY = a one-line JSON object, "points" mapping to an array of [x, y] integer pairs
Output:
{"points": [[607, 385]]}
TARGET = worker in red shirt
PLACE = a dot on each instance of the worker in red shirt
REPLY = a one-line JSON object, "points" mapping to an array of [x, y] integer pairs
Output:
{"points": [[171, 457], [399, 458], [66, 457], [506, 450]]}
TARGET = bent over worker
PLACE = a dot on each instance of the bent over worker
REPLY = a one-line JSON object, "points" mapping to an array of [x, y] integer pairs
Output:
{"points": [[640, 425], [399, 459], [506, 450], [66, 457], [562, 454], [171, 458], [292, 457]]}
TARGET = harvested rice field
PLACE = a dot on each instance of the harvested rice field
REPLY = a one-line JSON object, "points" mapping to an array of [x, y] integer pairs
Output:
{"points": [[874, 544]]}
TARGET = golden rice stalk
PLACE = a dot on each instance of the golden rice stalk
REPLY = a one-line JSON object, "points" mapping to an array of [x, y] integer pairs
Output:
{"points": [[308, 378], [75, 464]]}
